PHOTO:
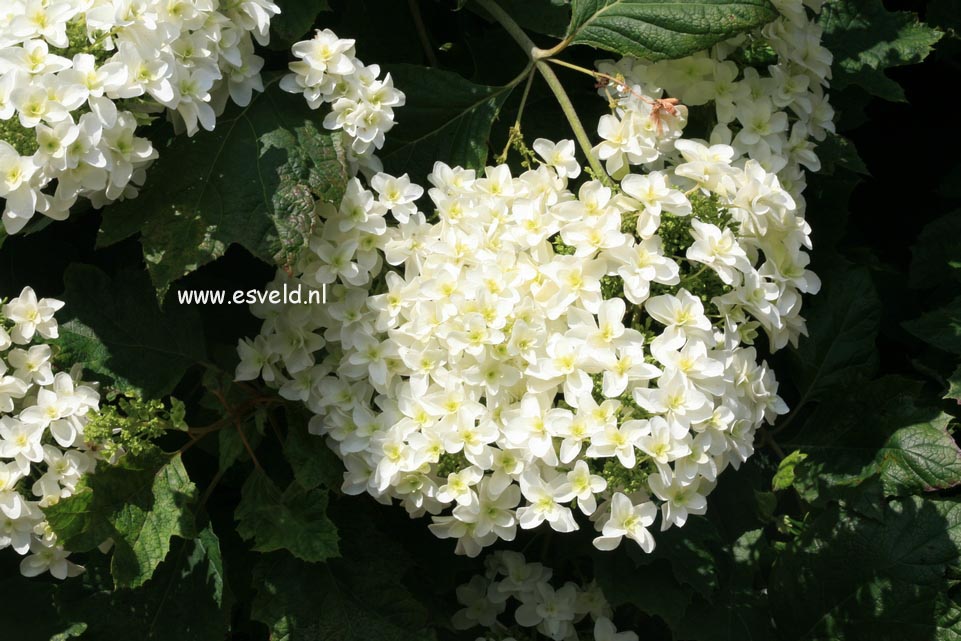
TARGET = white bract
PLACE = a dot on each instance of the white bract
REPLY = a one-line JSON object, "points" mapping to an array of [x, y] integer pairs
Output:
{"points": [[42, 417], [562, 613], [75, 76], [519, 349]]}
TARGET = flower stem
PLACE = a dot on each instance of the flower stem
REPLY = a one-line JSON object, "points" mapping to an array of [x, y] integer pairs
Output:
{"points": [[565, 102], [515, 131], [619, 83], [584, 70]]}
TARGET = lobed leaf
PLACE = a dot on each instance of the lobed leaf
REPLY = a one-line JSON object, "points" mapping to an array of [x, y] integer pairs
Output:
{"points": [[140, 504], [361, 597], [954, 386], [877, 430], [315, 170], [183, 601], [851, 577], [866, 39], [295, 520]]}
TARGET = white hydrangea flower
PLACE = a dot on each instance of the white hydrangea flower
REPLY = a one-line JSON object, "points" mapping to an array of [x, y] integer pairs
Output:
{"points": [[42, 417], [62, 115]]}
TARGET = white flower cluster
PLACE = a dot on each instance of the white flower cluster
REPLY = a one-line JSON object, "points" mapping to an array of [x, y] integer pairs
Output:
{"points": [[556, 613], [328, 72], [75, 76], [768, 113], [42, 419], [501, 366], [523, 352]]}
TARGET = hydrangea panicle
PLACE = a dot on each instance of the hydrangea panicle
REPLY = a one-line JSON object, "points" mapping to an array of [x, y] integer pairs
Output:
{"points": [[515, 349]]}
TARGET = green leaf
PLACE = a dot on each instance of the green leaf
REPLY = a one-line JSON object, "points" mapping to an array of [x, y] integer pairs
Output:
{"points": [[660, 29], [855, 578], [178, 415], [877, 429], [936, 256], [314, 464], [866, 39], [183, 601], [74, 631], [784, 477], [921, 458], [218, 188], [296, 19], [954, 386], [363, 596], [843, 323], [113, 326], [446, 118], [140, 504], [295, 520], [941, 328]]}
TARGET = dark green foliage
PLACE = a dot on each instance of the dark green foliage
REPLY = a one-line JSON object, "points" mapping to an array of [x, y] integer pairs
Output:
{"points": [[843, 325], [226, 516], [446, 119], [866, 39], [115, 328], [294, 520], [140, 503]]}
